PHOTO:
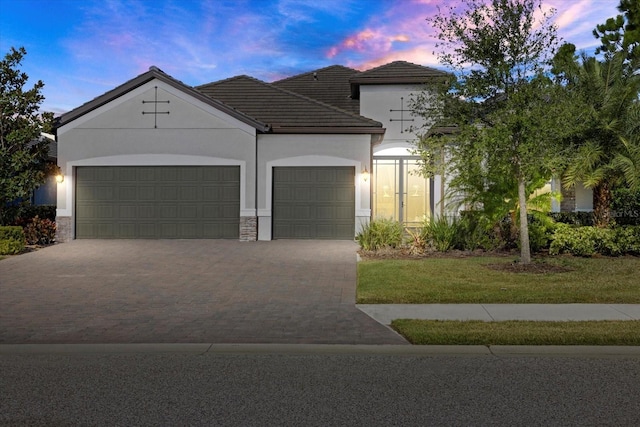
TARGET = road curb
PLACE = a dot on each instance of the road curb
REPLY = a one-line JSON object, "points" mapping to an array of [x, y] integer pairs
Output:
{"points": [[320, 349]]}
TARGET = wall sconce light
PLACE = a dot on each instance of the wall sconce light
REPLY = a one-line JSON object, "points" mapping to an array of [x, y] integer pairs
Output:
{"points": [[59, 178], [365, 174]]}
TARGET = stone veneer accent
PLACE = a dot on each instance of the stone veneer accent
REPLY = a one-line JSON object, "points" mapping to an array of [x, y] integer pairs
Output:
{"points": [[248, 228], [568, 203], [64, 230]]}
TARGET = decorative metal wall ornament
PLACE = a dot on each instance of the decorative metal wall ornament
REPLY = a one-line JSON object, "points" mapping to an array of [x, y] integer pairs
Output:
{"points": [[155, 111], [401, 119]]}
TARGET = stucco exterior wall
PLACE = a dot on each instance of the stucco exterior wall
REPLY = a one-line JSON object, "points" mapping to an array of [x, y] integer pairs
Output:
{"points": [[376, 101], [311, 150], [193, 133]]}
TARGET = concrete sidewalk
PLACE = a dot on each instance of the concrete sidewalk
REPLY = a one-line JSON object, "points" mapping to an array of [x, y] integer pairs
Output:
{"points": [[385, 313]]}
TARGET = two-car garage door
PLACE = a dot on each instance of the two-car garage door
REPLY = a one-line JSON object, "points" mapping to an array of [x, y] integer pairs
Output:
{"points": [[158, 202]]}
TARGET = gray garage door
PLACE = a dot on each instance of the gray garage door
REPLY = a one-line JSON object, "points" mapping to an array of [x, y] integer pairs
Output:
{"points": [[158, 202], [313, 203]]}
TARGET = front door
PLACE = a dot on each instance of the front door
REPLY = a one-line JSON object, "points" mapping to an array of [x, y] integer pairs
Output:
{"points": [[400, 193]]}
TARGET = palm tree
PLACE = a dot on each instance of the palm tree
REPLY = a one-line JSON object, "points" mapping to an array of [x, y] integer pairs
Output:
{"points": [[606, 147]]}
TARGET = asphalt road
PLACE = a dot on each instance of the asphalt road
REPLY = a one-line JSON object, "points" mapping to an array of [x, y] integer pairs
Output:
{"points": [[323, 389]]}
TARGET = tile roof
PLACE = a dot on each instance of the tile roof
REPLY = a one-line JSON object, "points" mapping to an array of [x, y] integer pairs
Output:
{"points": [[398, 72], [285, 111], [329, 85]]}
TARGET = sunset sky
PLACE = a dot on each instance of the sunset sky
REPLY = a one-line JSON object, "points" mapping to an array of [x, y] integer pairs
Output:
{"points": [[83, 48]]}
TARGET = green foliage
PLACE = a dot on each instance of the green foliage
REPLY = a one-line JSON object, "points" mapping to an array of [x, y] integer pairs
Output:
{"points": [[23, 153], [11, 233], [40, 231], [477, 231], [541, 228], [622, 33], [625, 206], [11, 247], [573, 218], [628, 238], [379, 234], [441, 233], [11, 240], [588, 241], [22, 214], [604, 150], [509, 116]]}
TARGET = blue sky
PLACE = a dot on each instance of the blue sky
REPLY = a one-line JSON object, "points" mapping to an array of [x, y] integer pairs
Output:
{"points": [[83, 48]]}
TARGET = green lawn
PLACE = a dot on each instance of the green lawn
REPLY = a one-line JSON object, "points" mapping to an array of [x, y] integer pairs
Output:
{"points": [[434, 332], [469, 280]]}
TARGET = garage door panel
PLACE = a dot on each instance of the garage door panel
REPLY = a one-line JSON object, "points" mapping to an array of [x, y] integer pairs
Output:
{"points": [[313, 202], [147, 174], [146, 230], [160, 202], [127, 230], [128, 212], [188, 211]]}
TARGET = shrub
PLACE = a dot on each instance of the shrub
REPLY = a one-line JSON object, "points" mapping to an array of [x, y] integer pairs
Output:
{"points": [[541, 228], [573, 218], [20, 215], [11, 247], [441, 233], [40, 231], [625, 206], [475, 231], [380, 233], [11, 232], [628, 237], [11, 240], [587, 241]]}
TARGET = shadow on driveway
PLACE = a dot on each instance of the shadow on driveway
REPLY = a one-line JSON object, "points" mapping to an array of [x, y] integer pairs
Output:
{"points": [[161, 291]]}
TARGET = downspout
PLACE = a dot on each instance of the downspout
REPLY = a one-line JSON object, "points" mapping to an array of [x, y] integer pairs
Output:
{"points": [[255, 190]]}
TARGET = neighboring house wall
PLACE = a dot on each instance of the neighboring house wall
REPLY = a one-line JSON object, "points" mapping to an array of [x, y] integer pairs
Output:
{"points": [[584, 198], [118, 134], [311, 150], [46, 193], [574, 199]]}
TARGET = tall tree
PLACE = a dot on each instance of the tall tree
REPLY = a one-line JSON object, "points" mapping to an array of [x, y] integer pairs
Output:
{"points": [[621, 33], [605, 149], [508, 113], [23, 154]]}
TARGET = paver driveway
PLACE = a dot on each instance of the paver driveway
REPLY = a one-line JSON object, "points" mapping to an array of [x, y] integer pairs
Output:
{"points": [[159, 291]]}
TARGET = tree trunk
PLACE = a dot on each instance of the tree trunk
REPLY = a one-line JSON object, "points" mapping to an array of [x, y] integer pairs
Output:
{"points": [[602, 204], [525, 249]]}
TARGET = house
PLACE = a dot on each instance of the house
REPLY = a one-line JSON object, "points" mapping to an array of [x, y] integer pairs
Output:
{"points": [[313, 156]]}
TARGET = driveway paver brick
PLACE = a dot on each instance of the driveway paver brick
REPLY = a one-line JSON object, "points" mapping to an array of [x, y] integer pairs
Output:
{"points": [[163, 291]]}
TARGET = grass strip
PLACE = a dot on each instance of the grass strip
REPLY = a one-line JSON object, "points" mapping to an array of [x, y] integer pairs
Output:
{"points": [[471, 280], [439, 332]]}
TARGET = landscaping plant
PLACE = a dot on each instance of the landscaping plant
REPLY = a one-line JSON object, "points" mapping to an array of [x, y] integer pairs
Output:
{"points": [[379, 234]]}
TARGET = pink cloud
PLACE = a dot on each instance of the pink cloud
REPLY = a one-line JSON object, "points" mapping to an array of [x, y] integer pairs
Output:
{"points": [[368, 40]]}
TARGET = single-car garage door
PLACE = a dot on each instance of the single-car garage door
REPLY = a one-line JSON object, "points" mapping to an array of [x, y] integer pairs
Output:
{"points": [[158, 202], [313, 203]]}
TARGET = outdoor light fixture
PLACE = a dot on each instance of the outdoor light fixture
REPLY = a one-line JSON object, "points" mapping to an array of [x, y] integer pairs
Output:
{"points": [[365, 174], [59, 178]]}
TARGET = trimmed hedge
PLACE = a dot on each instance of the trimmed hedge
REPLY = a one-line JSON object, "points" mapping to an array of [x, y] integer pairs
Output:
{"points": [[588, 241]]}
